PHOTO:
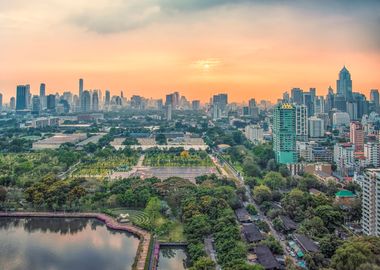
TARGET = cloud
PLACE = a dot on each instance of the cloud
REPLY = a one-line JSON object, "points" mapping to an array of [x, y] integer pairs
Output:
{"points": [[127, 15]]}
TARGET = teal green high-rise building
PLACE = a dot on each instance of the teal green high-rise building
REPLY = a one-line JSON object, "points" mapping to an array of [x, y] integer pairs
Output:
{"points": [[284, 133]]}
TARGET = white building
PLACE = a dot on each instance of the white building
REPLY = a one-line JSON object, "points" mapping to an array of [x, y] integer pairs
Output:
{"points": [[372, 154], [371, 202], [254, 133], [341, 119], [301, 123], [316, 127], [344, 158]]}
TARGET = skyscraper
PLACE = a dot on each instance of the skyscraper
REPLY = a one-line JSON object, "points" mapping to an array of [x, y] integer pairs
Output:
{"points": [[1, 102], [301, 123], [196, 104], [80, 87], [42, 98], [221, 101], [316, 127], [370, 202], [374, 97], [357, 137], [12, 103], [21, 97], [95, 101], [50, 103], [284, 133], [297, 95], [344, 84], [36, 105], [107, 99], [86, 101]]}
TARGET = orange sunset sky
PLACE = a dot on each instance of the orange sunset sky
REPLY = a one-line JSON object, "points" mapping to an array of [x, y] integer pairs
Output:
{"points": [[257, 48]]}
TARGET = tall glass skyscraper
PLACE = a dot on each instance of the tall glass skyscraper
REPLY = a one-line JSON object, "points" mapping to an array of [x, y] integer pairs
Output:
{"points": [[21, 97], [284, 133], [344, 84]]}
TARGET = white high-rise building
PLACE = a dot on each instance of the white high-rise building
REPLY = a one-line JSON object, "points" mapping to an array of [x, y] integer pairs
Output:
{"points": [[372, 154], [344, 158], [301, 123], [254, 133], [316, 127], [371, 202]]}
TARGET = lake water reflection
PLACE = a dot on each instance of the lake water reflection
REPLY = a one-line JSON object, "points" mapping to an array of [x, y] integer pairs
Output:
{"points": [[172, 259], [64, 243]]}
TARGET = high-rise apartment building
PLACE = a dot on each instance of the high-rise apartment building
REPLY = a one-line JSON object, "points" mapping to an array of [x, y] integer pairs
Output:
{"points": [[36, 105], [371, 202], [374, 97], [254, 133], [301, 123], [42, 97], [196, 105], [372, 154], [284, 133], [357, 137], [95, 101], [1, 102], [316, 127]]}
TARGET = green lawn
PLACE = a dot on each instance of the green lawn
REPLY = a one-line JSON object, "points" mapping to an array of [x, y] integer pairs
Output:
{"points": [[166, 159]]}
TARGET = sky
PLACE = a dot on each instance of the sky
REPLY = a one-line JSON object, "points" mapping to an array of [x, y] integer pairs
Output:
{"points": [[246, 48]]}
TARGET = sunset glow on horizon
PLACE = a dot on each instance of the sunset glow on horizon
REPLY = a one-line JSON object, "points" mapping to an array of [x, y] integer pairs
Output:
{"points": [[244, 48]]}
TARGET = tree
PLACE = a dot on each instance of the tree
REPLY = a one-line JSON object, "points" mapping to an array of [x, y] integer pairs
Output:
{"points": [[295, 203], [251, 209], [203, 263], [331, 217], [153, 208], [273, 245], [313, 227], [161, 139], [329, 244], [3, 194], [262, 193], [278, 224], [274, 180], [356, 252]]}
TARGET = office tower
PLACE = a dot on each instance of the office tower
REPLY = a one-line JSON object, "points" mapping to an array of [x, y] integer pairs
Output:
{"points": [[371, 202], [169, 110], [285, 97], [330, 100], [340, 103], [86, 101], [252, 103], [221, 101], [63, 106], [50, 103], [301, 123], [107, 99], [374, 97], [284, 133], [357, 137], [352, 110], [21, 97], [316, 127], [344, 84], [196, 105], [175, 100], [372, 154], [42, 96], [95, 101], [36, 105], [169, 99], [12, 103], [297, 96], [308, 101], [81, 89], [340, 119], [137, 102], [1, 102], [362, 105], [319, 105]]}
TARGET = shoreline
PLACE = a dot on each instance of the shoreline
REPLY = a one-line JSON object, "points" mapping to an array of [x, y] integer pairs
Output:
{"points": [[141, 257]]}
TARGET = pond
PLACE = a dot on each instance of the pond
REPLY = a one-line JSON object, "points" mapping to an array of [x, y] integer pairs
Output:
{"points": [[172, 258], [64, 243]]}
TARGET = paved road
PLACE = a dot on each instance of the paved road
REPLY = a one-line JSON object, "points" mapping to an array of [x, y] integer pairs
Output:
{"points": [[69, 171], [209, 246]]}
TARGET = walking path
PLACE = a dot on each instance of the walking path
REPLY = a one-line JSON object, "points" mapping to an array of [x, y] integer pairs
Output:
{"points": [[144, 236]]}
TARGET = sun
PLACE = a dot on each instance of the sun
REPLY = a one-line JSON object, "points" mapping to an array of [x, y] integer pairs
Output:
{"points": [[207, 65]]}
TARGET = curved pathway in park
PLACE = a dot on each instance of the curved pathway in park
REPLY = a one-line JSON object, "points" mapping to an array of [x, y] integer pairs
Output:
{"points": [[144, 236]]}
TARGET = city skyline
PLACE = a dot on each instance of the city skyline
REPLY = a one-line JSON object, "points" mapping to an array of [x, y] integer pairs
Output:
{"points": [[149, 48]]}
